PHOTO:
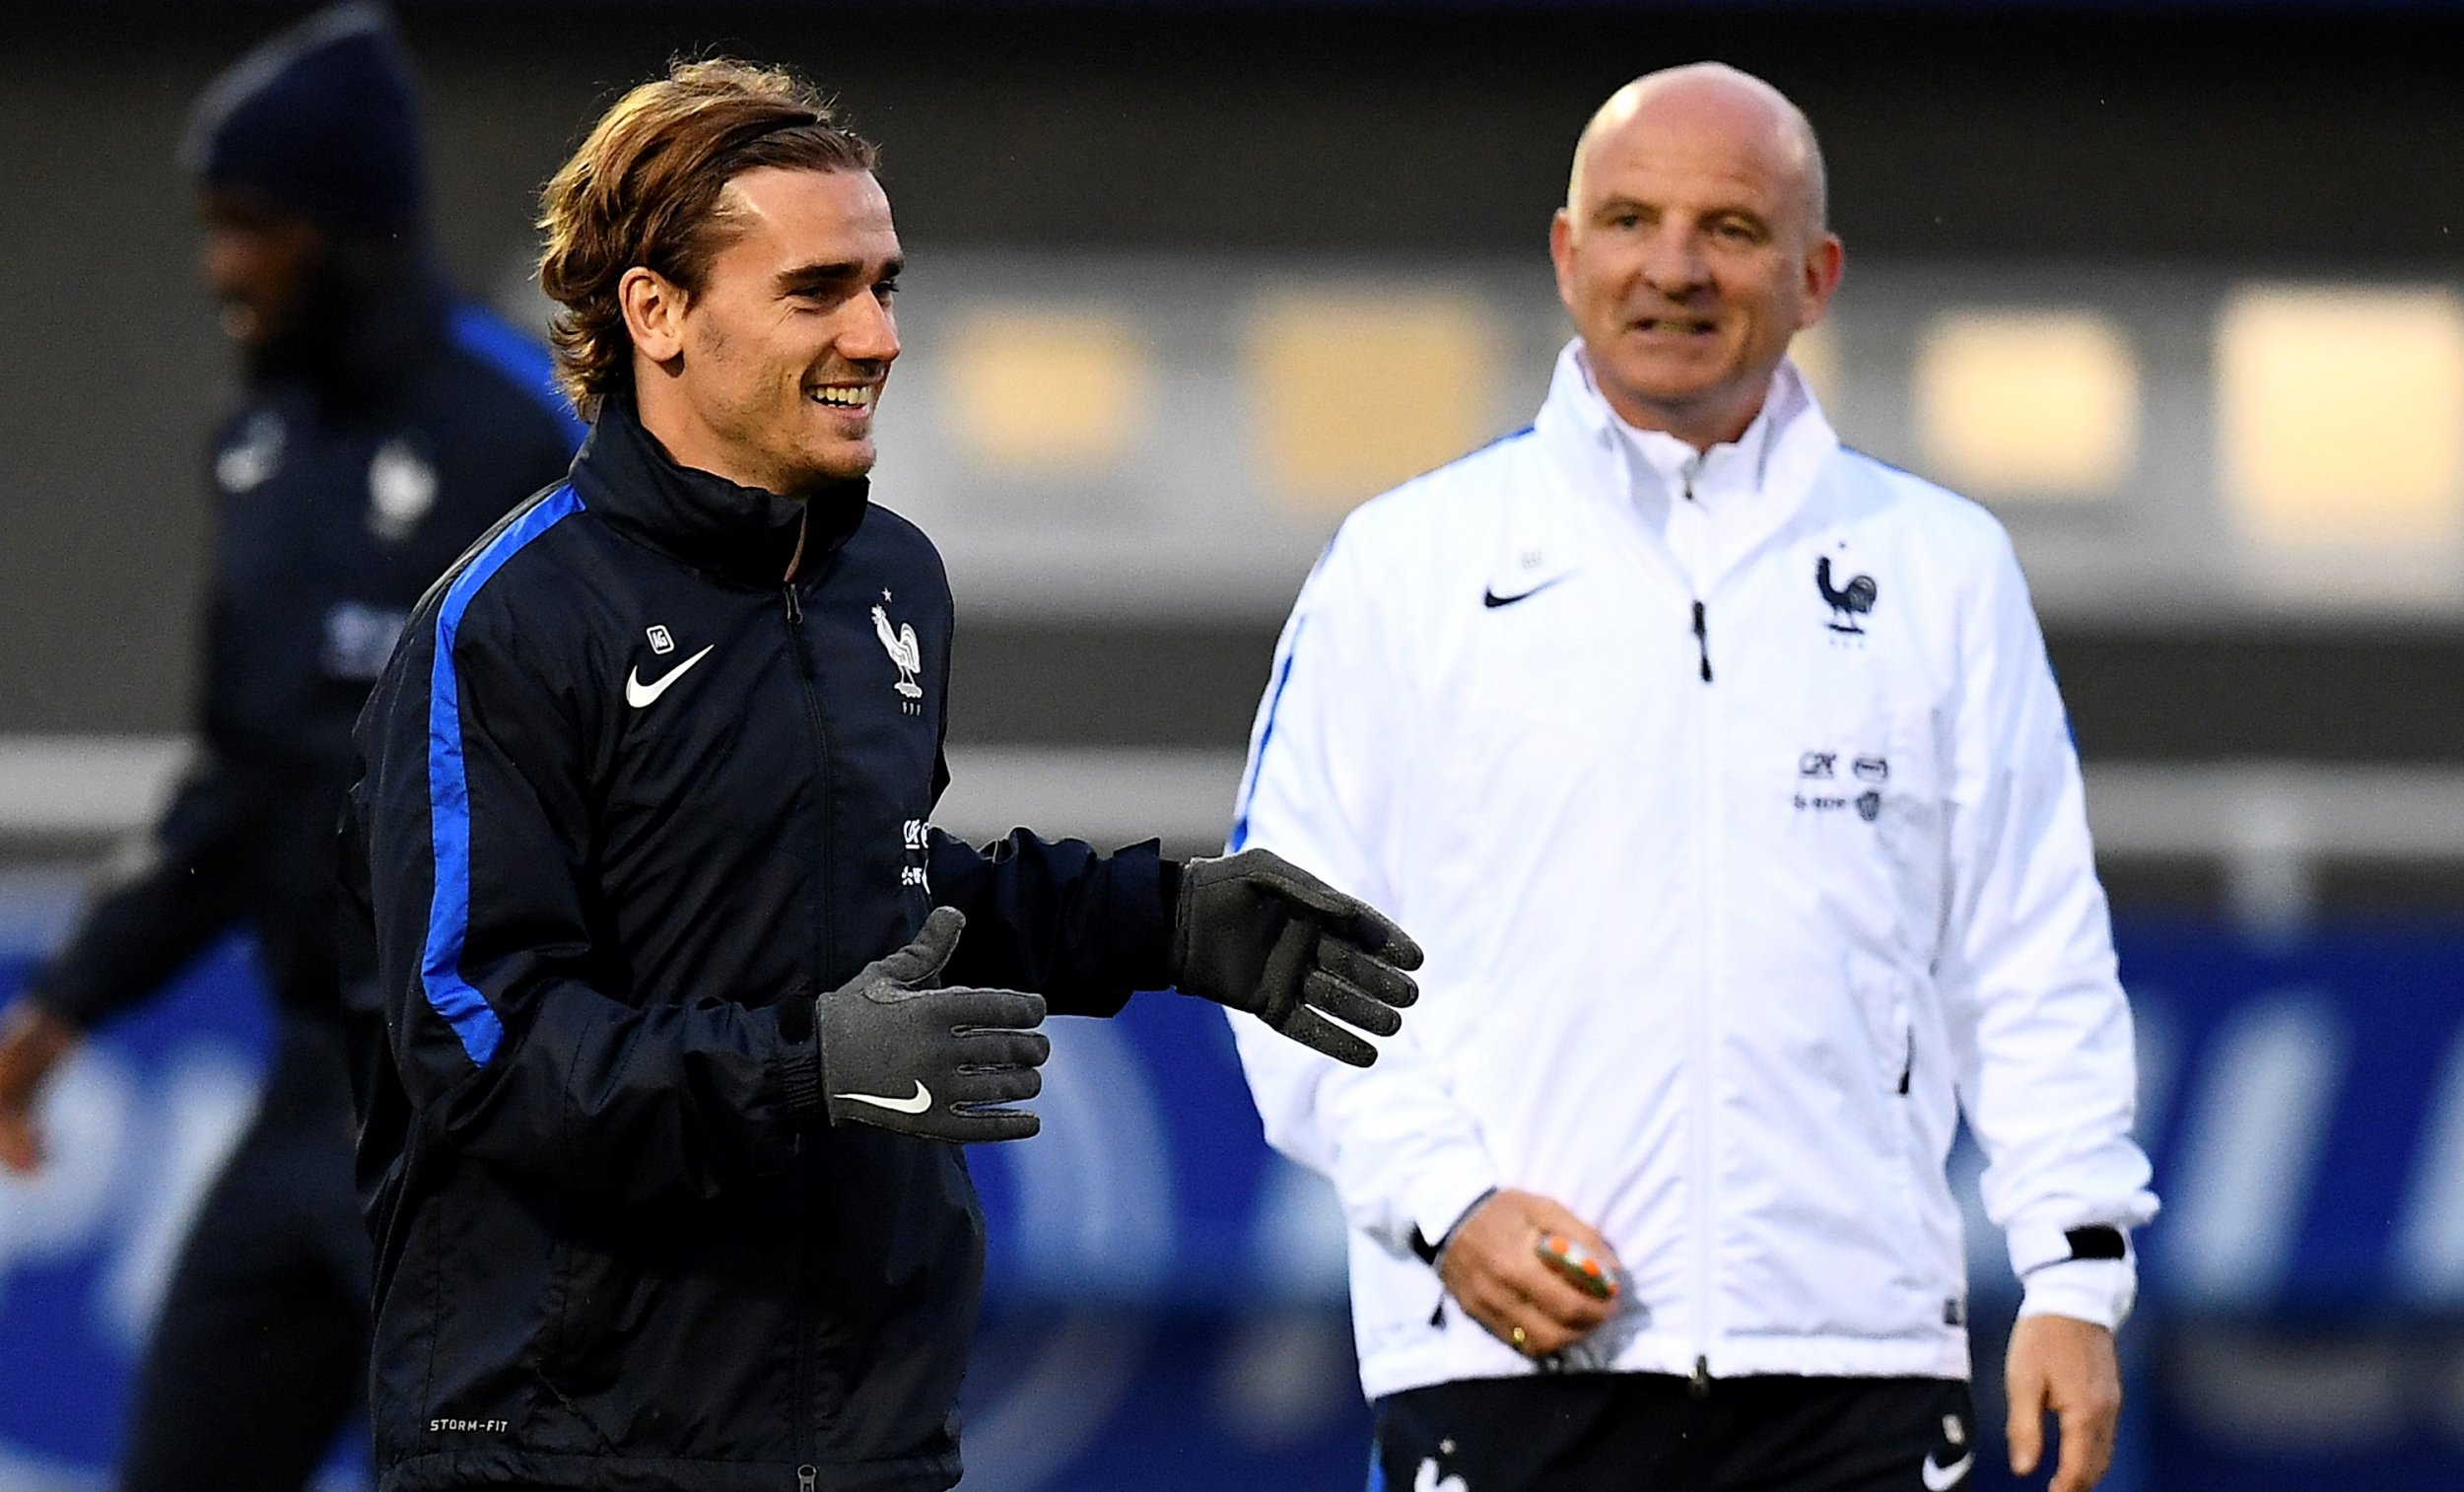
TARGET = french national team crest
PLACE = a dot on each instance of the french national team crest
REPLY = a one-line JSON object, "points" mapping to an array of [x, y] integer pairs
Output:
{"points": [[905, 653], [1851, 601]]}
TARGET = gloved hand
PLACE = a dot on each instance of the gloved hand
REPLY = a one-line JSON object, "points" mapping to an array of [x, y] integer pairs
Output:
{"points": [[1255, 932], [901, 1054]]}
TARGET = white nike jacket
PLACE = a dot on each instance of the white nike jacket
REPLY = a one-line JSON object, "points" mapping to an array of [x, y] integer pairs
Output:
{"points": [[1735, 894]]}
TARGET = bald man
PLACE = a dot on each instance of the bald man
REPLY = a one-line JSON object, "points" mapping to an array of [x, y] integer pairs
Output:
{"points": [[1721, 770]]}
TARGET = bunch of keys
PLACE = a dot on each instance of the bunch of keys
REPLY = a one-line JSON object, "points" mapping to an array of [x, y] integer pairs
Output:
{"points": [[1581, 1269]]}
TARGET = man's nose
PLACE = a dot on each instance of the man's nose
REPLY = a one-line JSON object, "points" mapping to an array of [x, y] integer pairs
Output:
{"points": [[1672, 260], [870, 334]]}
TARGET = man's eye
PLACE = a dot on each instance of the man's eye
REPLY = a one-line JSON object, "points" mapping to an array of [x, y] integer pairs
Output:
{"points": [[885, 290]]}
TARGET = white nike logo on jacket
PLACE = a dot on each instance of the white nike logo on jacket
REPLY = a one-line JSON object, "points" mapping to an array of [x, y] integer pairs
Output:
{"points": [[639, 694]]}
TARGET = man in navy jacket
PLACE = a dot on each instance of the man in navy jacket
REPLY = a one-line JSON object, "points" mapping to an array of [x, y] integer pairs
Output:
{"points": [[385, 427], [684, 999]]}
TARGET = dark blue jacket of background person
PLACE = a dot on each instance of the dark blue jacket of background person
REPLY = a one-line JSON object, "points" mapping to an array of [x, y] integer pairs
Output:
{"points": [[343, 486], [629, 803]]}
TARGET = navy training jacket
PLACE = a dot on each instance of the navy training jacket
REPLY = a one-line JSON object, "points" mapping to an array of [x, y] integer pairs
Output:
{"points": [[342, 489], [627, 804]]}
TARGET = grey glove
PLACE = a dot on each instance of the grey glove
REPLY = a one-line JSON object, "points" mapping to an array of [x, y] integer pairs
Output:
{"points": [[1255, 932], [900, 1053]]}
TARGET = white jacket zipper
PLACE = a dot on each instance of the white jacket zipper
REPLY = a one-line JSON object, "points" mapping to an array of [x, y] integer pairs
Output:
{"points": [[1699, 1074]]}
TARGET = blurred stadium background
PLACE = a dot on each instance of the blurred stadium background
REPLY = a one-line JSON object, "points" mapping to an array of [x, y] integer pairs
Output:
{"points": [[2175, 287]]}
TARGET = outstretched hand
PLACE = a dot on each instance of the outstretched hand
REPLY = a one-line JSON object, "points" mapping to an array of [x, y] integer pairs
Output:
{"points": [[1255, 932], [899, 1052]]}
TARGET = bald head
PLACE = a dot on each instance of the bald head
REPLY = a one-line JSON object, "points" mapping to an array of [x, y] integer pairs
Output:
{"points": [[1692, 247], [1710, 96]]}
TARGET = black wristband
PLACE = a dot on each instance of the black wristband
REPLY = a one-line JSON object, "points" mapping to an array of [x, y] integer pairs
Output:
{"points": [[2099, 1240]]}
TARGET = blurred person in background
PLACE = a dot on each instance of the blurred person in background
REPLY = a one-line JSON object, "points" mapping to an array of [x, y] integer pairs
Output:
{"points": [[683, 1032], [1723, 768], [386, 424]]}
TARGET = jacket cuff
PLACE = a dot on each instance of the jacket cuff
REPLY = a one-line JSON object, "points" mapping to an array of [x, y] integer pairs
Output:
{"points": [[1443, 1196], [1148, 912], [2099, 1291], [1168, 898], [2033, 1245], [1141, 896], [799, 1063], [1428, 1246]]}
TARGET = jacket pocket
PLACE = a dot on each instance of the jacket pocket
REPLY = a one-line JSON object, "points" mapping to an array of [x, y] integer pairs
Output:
{"points": [[1885, 998], [670, 1331]]}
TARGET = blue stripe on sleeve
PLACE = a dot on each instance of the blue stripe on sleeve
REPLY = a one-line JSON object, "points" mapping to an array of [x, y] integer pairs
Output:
{"points": [[1265, 734], [491, 339], [463, 1007]]}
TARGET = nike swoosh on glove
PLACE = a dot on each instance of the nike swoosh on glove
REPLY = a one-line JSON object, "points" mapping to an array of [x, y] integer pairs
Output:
{"points": [[1255, 932], [899, 1053]]}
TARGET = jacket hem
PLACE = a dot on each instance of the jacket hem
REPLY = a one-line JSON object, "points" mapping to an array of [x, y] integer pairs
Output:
{"points": [[1944, 1355], [450, 1470]]}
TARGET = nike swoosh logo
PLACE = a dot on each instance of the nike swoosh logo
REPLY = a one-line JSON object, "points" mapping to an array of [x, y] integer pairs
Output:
{"points": [[1942, 1478], [1492, 599], [922, 1101], [639, 694]]}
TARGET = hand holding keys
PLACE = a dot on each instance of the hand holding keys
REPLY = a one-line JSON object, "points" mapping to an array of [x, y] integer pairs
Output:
{"points": [[1574, 1262]]}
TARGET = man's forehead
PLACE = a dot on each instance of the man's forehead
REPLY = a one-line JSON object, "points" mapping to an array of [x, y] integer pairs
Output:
{"points": [[1690, 154], [1698, 139], [782, 208]]}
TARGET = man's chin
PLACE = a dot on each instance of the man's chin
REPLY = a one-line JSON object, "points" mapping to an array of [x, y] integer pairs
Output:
{"points": [[1675, 381], [1669, 398], [843, 461]]}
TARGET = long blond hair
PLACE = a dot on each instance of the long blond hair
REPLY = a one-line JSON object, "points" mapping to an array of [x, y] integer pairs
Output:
{"points": [[646, 188]]}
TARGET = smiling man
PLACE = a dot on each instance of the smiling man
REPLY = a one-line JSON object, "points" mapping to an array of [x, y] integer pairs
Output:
{"points": [[1724, 767], [682, 1000]]}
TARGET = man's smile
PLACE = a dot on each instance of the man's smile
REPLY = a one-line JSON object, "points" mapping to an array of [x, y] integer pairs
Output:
{"points": [[851, 396]]}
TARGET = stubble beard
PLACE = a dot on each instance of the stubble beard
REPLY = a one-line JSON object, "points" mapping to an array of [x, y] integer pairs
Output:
{"points": [[803, 473]]}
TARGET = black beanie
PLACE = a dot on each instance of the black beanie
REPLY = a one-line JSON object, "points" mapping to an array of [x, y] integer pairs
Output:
{"points": [[321, 119]]}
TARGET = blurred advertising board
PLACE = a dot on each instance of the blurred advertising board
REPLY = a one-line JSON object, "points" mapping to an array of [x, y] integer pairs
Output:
{"points": [[1165, 1301]]}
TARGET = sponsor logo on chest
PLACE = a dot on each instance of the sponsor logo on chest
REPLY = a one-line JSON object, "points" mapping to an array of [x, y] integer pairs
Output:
{"points": [[1817, 767]]}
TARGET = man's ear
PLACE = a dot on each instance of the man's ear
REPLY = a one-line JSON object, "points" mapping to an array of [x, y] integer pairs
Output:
{"points": [[1826, 263], [653, 307], [1562, 254]]}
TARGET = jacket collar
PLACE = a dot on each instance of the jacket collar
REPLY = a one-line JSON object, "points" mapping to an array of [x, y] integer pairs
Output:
{"points": [[1587, 443], [742, 535]]}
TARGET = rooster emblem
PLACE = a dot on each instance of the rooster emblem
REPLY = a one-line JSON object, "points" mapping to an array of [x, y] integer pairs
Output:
{"points": [[907, 653], [1848, 602]]}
